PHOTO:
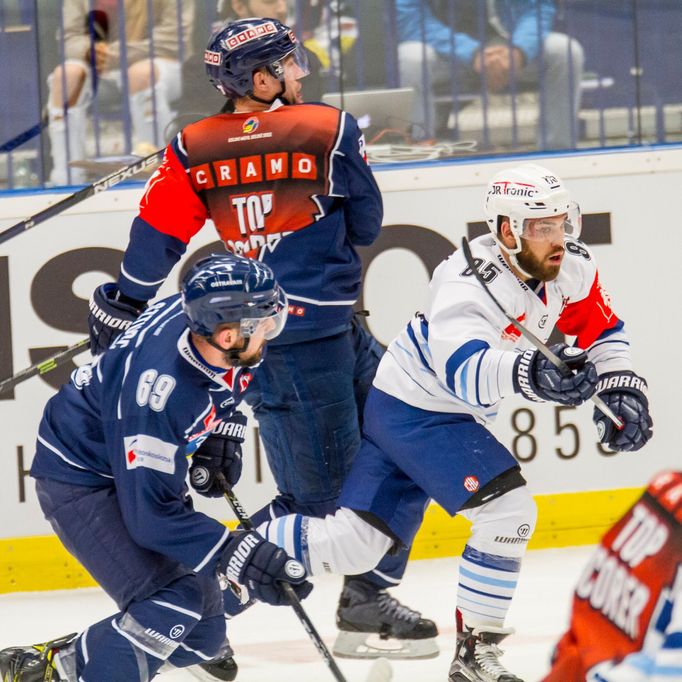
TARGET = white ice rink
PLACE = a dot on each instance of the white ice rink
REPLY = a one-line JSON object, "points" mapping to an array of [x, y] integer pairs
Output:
{"points": [[271, 645]]}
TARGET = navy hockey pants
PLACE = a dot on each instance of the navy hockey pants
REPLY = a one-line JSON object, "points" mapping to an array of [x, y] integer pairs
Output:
{"points": [[167, 613], [308, 399]]}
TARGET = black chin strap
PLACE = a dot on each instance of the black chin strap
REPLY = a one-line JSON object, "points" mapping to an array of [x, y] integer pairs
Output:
{"points": [[231, 353], [279, 95]]}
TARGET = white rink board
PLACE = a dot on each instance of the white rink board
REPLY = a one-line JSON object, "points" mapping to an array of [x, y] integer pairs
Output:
{"points": [[638, 189]]}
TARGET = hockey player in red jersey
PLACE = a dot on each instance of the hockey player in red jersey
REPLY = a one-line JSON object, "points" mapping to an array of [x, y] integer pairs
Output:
{"points": [[626, 624], [286, 183]]}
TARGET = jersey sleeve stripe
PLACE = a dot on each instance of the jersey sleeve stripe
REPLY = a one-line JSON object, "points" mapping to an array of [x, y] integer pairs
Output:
{"points": [[413, 338], [142, 282], [459, 357], [213, 551]]}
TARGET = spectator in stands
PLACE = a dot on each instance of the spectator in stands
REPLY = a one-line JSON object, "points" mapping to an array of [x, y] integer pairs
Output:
{"points": [[93, 54], [501, 45]]}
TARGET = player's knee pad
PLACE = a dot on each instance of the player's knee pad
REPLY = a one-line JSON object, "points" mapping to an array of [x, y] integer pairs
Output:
{"points": [[344, 543], [504, 525]]}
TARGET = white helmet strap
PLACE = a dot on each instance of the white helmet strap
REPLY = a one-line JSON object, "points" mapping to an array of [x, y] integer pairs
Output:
{"points": [[516, 226]]}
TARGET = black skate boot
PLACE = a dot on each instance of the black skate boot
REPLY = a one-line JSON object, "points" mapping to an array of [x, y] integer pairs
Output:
{"points": [[373, 624], [223, 667], [477, 657], [33, 663]]}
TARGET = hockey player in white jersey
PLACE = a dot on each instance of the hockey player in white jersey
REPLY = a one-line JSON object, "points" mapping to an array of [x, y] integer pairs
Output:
{"points": [[441, 381]]}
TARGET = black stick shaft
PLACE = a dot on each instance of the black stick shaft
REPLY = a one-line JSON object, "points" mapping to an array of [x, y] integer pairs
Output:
{"points": [[45, 366], [540, 345], [105, 183], [295, 602]]}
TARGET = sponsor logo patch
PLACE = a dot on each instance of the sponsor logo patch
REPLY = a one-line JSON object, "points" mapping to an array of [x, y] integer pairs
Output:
{"points": [[511, 188], [471, 484], [249, 34], [150, 453], [211, 57], [297, 310], [250, 125]]}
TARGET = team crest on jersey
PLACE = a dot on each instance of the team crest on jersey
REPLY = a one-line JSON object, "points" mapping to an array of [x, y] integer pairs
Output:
{"points": [[605, 305], [511, 333], [244, 381], [250, 125]]}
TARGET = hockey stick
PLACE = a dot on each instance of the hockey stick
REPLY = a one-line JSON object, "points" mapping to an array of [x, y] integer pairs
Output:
{"points": [[44, 366], [381, 670], [556, 361], [96, 187], [27, 135]]}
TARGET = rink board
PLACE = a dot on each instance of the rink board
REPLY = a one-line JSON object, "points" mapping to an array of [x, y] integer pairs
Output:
{"points": [[567, 519], [628, 198]]}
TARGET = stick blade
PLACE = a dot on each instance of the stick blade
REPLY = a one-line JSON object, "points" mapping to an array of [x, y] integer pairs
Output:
{"points": [[381, 671]]}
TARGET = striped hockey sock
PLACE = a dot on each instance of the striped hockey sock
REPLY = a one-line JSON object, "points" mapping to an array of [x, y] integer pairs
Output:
{"points": [[486, 587]]}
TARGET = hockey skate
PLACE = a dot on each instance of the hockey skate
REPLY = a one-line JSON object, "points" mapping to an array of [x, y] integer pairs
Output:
{"points": [[373, 624], [223, 667], [477, 657], [33, 663]]}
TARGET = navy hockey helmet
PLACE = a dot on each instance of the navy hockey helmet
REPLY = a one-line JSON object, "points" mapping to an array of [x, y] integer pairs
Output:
{"points": [[241, 47], [229, 288]]}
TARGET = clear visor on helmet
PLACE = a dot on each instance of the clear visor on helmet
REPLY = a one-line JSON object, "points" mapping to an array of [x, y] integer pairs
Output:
{"points": [[555, 227], [295, 65], [269, 323]]}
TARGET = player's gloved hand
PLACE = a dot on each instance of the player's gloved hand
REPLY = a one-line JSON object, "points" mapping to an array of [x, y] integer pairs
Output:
{"points": [[537, 379], [109, 316], [625, 394], [261, 566], [221, 452]]}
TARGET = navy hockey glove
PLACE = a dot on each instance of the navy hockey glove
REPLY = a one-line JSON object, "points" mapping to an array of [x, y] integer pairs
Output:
{"points": [[109, 317], [625, 394], [262, 566], [536, 378], [221, 452]]}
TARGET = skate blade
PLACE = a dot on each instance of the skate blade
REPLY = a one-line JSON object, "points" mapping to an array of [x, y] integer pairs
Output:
{"points": [[370, 645]]}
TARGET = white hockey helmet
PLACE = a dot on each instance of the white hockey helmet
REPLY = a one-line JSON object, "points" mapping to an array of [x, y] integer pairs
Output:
{"points": [[523, 194]]}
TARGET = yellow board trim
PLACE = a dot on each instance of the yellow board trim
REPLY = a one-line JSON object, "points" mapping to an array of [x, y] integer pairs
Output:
{"points": [[566, 519]]}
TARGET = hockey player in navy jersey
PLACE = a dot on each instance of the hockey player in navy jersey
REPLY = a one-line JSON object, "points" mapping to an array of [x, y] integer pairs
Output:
{"points": [[442, 380], [110, 467], [287, 183]]}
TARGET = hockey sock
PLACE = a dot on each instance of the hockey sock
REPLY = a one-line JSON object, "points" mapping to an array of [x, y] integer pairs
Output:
{"points": [[486, 587]]}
